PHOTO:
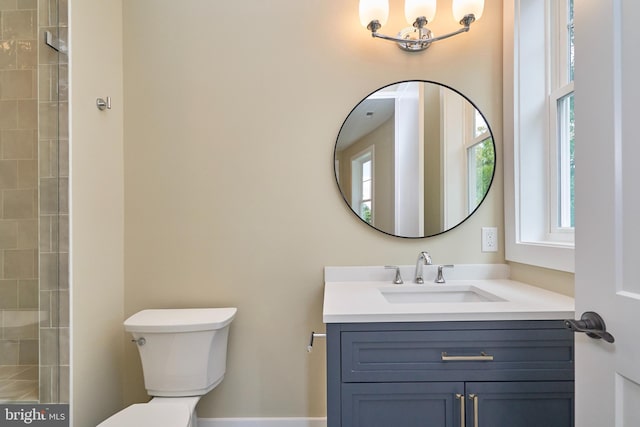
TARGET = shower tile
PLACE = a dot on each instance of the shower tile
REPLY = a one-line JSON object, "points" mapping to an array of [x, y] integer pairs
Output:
{"points": [[48, 196], [63, 82], [25, 372], [28, 4], [48, 82], [45, 304], [8, 54], [63, 164], [48, 10], [64, 383], [47, 159], [48, 113], [22, 325], [8, 174], [46, 233], [19, 144], [49, 346], [8, 114], [8, 234], [28, 352], [27, 114], [19, 24], [19, 264], [27, 54], [48, 271], [45, 384], [19, 204], [27, 173], [28, 294], [63, 195], [54, 271], [59, 309], [8, 294], [54, 118], [9, 352], [8, 4], [17, 84], [63, 224], [28, 234]]}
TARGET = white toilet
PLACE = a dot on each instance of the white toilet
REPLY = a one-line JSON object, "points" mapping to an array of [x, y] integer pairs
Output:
{"points": [[184, 356]]}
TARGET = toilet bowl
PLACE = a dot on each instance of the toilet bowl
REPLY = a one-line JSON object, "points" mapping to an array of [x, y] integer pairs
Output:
{"points": [[183, 354]]}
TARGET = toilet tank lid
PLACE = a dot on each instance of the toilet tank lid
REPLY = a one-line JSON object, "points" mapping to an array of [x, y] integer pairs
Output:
{"points": [[180, 319]]}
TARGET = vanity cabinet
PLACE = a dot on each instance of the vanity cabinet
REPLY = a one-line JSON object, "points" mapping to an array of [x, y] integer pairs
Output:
{"points": [[450, 374]]}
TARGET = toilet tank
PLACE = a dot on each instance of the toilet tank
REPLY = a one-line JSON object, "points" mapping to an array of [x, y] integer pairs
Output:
{"points": [[183, 351]]}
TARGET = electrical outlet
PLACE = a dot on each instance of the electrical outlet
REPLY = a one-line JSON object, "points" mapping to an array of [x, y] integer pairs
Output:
{"points": [[489, 239]]}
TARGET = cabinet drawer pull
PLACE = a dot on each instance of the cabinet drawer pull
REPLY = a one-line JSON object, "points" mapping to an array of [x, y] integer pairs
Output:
{"points": [[482, 357], [460, 397], [474, 397]]}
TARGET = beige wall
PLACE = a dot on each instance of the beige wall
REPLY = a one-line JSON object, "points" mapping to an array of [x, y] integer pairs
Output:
{"points": [[230, 195], [97, 277], [381, 139], [230, 198]]}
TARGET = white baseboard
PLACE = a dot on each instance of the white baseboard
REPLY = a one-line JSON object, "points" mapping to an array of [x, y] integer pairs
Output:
{"points": [[262, 422]]}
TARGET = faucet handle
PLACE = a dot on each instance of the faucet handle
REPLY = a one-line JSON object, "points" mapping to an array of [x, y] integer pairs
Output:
{"points": [[398, 279], [440, 277]]}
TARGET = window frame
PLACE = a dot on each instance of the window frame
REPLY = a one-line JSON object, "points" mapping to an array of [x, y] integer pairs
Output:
{"points": [[530, 138], [357, 185], [472, 141]]}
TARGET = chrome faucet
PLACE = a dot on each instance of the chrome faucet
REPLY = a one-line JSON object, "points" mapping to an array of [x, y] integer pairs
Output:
{"points": [[398, 278], [440, 276], [423, 259]]}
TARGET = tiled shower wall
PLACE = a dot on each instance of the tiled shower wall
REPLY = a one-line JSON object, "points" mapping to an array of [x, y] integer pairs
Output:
{"points": [[34, 296], [19, 197], [53, 153]]}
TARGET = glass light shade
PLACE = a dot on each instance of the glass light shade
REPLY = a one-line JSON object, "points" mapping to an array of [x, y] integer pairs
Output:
{"points": [[371, 10], [465, 7], [416, 8]]}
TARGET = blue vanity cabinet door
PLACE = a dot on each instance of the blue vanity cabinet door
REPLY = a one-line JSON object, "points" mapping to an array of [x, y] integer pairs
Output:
{"points": [[521, 404], [402, 404]]}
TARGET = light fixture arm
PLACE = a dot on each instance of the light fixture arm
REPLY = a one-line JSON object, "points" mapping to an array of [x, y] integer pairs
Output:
{"points": [[422, 36]]}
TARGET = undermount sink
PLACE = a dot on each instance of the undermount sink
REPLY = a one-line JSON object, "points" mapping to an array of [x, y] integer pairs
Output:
{"points": [[412, 294]]}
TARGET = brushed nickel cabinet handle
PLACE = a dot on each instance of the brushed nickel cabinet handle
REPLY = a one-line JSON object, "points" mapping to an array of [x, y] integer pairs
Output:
{"points": [[482, 357], [474, 397], [460, 397]]}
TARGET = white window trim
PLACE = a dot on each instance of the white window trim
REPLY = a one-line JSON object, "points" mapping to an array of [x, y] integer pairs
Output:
{"points": [[527, 218], [356, 172], [471, 140]]}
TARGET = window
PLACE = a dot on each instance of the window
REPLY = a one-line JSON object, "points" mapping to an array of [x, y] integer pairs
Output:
{"points": [[539, 132], [561, 103], [480, 159], [362, 181]]}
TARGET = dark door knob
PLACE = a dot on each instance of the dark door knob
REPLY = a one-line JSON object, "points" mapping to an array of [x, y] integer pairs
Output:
{"points": [[591, 324]]}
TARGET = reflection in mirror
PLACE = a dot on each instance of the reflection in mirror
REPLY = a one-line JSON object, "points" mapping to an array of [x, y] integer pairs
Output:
{"points": [[414, 159]]}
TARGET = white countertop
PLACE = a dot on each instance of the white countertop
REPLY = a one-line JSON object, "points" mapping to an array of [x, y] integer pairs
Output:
{"points": [[352, 295]]}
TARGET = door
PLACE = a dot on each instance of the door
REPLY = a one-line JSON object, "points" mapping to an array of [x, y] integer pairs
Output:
{"points": [[402, 404], [520, 404], [608, 210]]}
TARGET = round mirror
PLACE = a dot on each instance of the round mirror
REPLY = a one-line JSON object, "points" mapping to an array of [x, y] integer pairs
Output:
{"points": [[414, 159]]}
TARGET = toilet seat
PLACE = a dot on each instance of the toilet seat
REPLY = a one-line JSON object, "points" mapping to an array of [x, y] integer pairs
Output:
{"points": [[151, 415]]}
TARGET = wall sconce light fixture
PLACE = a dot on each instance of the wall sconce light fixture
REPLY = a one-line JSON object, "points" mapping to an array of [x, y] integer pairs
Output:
{"points": [[374, 14]]}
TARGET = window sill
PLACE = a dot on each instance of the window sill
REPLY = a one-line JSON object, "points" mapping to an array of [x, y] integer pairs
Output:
{"points": [[554, 255]]}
